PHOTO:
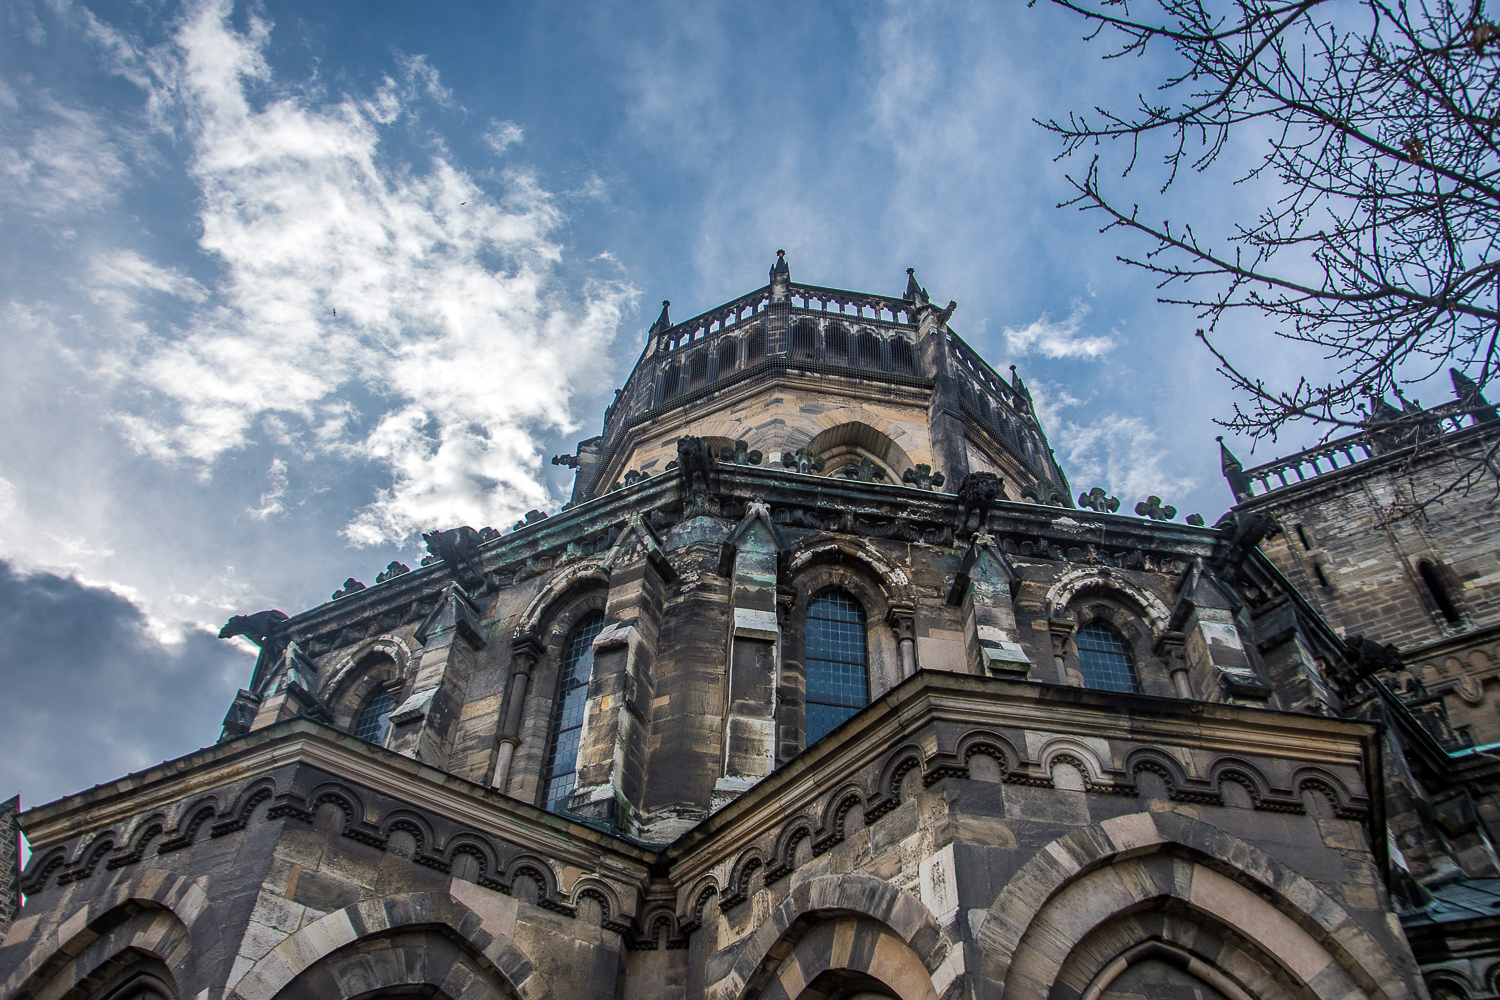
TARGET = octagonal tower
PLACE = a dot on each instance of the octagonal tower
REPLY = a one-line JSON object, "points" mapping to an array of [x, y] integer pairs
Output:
{"points": [[847, 383]]}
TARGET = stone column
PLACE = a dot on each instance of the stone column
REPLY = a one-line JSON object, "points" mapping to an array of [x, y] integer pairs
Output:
{"points": [[902, 619], [750, 554], [1170, 648], [525, 651], [422, 726], [1062, 630]]}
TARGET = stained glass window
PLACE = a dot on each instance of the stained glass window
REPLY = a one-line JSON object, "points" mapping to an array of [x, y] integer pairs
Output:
{"points": [[1105, 659], [374, 718], [567, 717], [837, 665]]}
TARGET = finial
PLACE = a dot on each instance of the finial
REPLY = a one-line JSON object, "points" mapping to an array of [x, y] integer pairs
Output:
{"points": [[1472, 397], [1234, 473], [663, 322], [914, 292]]}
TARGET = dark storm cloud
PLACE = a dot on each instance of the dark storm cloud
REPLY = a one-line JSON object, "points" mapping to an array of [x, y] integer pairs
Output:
{"points": [[88, 693]]}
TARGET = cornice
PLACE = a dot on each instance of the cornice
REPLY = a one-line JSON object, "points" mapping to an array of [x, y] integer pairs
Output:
{"points": [[302, 742]]}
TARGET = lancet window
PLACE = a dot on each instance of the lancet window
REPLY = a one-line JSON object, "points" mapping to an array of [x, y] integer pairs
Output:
{"points": [[838, 682], [560, 771]]}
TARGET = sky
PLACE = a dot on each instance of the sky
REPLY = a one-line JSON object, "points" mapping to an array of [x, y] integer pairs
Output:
{"points": [[284, 284]]}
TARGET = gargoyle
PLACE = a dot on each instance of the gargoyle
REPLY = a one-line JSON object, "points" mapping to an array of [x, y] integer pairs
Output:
{"points": [[695, 462], [1366, 657], [258, 628], [1242, 532], [458, 548], [977, 492]]}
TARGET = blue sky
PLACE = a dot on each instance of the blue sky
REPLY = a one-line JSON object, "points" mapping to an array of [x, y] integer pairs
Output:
{"points": [[494, 198]]}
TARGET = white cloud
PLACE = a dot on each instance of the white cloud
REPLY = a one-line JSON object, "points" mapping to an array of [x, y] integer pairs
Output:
{"points": [[55, 158], [341, 272], [270, 500], [502, 135], [1118, 452], [1063, 339]]}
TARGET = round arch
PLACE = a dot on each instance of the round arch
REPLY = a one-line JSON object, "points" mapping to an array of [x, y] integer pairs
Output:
{"points": [[111, 939], [1085, 880], [416, 920], [855, 438], [1075, 582], [381, 660], [915, 950]]}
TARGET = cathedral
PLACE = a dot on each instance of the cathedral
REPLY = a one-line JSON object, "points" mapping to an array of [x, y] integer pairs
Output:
{"points": [[828, 685]]}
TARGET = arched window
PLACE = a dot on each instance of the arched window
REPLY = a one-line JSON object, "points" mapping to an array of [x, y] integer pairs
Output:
{"points": [[804, 340], [669, 379], [869, 350], [567, 714], [756, 346], [729, 353], [1439, 592], [1105, 659], [836, 342], [698, 368], [374, 719], [902, 356], [837, 665]]}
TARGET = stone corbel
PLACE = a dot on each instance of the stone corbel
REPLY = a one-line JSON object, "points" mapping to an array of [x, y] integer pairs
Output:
{"points": [[750, 623], [413, 708], [902, 619], [1002, 657]]}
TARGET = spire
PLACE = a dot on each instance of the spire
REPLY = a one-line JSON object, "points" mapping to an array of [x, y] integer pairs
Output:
{"points": [[663, 322], [780, 266], [915, 293], [1471, 396], [1234, 473]]}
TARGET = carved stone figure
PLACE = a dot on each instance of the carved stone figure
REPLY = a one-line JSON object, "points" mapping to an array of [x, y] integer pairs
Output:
{"points": [[1098, 500], [695, 463], [393, 570], [258, 628], [803, 460], [1366, 657], [1045, 493], [923, 478], [532, 517], [977, 492], [1243, 531], [351, 586], [864, 470], [458, 548], [739, 454], [1152, 507]]}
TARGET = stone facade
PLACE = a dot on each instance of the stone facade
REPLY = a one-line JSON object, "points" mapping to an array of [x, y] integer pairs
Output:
{"points": [[616, 752]]}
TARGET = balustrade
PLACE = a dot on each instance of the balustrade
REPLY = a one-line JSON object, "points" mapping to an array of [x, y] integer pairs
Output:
{"points": [[1357, 447]]}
